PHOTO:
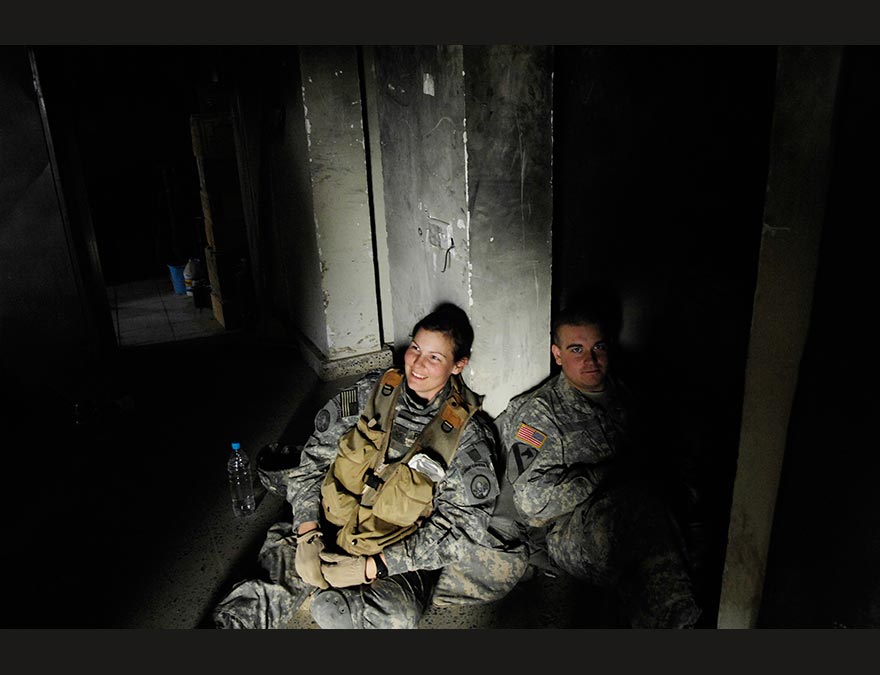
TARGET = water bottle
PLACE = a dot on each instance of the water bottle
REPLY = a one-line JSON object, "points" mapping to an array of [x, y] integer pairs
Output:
{"points": [[241, 486]]}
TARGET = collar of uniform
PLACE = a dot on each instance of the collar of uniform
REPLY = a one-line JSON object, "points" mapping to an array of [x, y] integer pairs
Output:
{"points": [[414, 402], [598, 397]]}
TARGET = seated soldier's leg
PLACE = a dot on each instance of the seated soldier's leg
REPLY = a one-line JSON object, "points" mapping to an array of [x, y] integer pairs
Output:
{"points": [[485, 575], [278, 557], [586, 543], [656, 590], [256, 603], [338, 608], [398, 601], [623, 537]]}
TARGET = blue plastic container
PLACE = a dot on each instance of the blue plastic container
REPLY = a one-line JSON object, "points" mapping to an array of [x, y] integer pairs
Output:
{"points": [[177, 279]]}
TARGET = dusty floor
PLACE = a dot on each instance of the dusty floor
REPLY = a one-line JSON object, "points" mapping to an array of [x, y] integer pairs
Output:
{"points": [[116, 510], [131, 525]]}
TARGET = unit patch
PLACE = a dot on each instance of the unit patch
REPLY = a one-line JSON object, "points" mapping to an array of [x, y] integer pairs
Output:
{"points": [[480, 487], [322, 420], [530, 435], [519, 459]]}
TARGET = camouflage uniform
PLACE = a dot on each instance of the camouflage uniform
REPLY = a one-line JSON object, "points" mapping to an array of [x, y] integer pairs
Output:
{"points": [[571, 462], [463, 504]]}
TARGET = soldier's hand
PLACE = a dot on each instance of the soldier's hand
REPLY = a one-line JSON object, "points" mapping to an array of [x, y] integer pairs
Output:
{"points": [[342, 570], [307, 562]]}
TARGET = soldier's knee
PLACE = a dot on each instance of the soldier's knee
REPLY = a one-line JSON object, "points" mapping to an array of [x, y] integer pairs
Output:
{"points": [[330, 610]]}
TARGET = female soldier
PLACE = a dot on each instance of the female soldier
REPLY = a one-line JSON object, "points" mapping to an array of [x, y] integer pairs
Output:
{"points": [[380, 507]]}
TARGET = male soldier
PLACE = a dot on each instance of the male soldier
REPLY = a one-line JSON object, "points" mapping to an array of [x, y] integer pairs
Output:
{"points": [[380, 506], [572, 459]]}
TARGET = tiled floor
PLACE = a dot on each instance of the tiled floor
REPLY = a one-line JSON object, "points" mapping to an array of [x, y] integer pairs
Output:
{"points": [[150, 312]]}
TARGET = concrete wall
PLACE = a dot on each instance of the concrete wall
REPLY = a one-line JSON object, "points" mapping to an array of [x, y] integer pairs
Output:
{"points": [[660, 175], [797, 190], [43, 318], [319, 265], [349, 322], [377, 190], [510, 201], [421, 111], [824, 557], [466, 144]]}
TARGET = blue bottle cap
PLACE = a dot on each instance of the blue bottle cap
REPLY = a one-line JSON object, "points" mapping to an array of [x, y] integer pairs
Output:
{"points": [[236, 446]]}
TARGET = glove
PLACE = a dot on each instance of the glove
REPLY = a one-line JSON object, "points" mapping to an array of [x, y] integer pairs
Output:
{"points": [[307, 563], [342, 570]]}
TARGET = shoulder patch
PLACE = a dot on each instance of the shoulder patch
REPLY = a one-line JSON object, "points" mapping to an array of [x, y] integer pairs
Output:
{"points": [[480, 483], [349, 400], [530, 435], [519, 459], [322, 420], [480, 487]]}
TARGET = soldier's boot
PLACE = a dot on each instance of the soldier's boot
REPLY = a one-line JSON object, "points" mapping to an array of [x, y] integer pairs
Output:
{"points": [[660, 593]]}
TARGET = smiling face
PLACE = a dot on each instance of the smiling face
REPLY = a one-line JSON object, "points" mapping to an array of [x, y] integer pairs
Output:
{"points": [[583, 354], [429, 362]]}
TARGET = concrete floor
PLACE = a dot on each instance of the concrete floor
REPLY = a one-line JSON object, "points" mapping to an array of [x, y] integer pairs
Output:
{"points": [[129, 524], [116, 512]]}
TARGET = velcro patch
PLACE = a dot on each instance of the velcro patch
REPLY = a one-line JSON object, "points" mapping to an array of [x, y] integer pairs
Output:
{"points": [[519, 459], [349, 400], [322, 420], [481, 483], [480, 487], [530, 435]]}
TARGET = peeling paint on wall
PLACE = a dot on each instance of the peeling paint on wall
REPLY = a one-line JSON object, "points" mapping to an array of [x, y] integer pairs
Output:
{"points": [[464, 142], [338, 178], [439, 122], [428, 86]]}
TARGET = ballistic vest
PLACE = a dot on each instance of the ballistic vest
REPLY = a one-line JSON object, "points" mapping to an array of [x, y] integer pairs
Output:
{"points": [[375, 503]]}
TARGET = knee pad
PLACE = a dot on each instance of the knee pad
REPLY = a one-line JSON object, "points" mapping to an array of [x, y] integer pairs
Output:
{"points": [[330, 609]]}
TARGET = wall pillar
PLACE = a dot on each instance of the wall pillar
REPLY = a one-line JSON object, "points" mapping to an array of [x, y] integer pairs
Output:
{"points": [[800, 160], [335, 273], [466, 147]]}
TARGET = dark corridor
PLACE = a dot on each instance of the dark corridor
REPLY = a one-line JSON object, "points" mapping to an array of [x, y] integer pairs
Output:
{"points": [[659, 184]]}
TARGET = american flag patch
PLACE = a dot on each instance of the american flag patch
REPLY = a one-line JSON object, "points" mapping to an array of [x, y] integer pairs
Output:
{"points": [[349, 400], [530, 435]]}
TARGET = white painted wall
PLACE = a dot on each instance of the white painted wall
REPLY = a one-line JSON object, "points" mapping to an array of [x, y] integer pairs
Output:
{"points": [[332, 106], [468, 206]]}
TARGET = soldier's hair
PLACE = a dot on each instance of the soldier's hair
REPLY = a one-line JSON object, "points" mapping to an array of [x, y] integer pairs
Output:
{"points": [[580, 315], [452, 321]]}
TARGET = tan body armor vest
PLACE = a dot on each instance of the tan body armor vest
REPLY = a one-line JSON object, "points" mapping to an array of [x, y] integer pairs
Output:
{"points": [[376, 504]]}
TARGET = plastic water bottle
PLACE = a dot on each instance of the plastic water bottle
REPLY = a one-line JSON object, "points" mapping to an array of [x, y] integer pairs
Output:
{"points": [[241, 486]]}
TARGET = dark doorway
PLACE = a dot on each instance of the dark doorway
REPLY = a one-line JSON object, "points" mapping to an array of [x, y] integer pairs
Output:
{"points": [[120, 122]]}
